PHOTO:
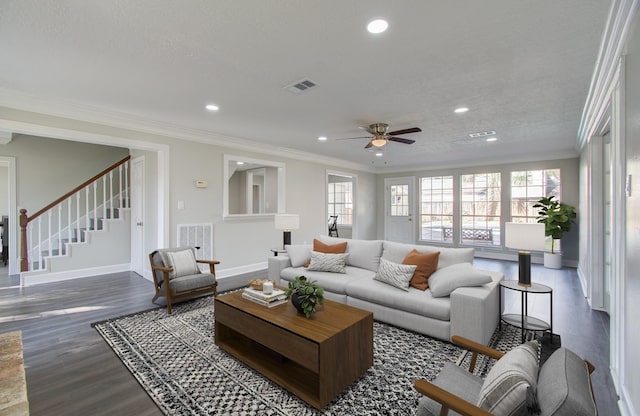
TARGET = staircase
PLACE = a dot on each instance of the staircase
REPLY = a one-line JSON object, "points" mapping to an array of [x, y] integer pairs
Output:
{"points": [[84, 231]]}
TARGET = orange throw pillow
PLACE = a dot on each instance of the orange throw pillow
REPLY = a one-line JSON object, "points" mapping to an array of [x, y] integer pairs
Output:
{"points": [[321, 247], [427, 264]]}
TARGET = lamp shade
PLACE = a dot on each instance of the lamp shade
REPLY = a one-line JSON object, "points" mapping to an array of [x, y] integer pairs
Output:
{"points": [[524, 236], [287, 222]]}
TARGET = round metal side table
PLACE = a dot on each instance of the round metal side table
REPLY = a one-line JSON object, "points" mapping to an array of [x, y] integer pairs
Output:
{"points": [[523, 320]]}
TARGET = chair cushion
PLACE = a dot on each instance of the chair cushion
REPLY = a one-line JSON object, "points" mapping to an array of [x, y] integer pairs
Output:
{"points": [[564, 387], [191, 282], [182, 260], [510, 385], [455, 380], [446, 280]]}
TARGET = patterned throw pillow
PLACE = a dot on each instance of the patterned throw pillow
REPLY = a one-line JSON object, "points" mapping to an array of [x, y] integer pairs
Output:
{"points": [[427, 264], [394, 274], [510, 386], [335, 263], [183, 262]]}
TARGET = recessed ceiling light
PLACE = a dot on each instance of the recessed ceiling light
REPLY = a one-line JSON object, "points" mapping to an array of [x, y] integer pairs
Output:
{"points": [[239, 163], [322, 138], [492, 139], [379, 154], [377, 26], [212, 107], [461, 110]]}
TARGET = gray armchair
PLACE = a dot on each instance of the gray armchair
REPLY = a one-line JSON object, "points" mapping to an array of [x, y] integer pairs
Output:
{"points": [[176, 275], [562, 386]]}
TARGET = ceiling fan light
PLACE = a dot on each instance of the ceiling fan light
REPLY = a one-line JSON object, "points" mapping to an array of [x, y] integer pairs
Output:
{"points": [[378, 141]]}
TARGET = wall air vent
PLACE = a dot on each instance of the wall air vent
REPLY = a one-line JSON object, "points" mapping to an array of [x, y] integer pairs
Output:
{"points": [[197, 235], [482, 134], [300, 86]]}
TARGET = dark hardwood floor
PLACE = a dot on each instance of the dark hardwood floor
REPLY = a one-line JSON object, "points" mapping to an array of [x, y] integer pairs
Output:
{"points": [[71, 370]]}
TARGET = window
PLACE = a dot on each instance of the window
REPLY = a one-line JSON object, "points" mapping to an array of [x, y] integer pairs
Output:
{"points": [[527, 187], [399, 200], [480, 209], [340, 197], [436, 208]]}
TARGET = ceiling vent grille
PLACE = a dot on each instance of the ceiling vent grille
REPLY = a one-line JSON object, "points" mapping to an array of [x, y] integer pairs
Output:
{"points": [[300, 86], [482, 134]]}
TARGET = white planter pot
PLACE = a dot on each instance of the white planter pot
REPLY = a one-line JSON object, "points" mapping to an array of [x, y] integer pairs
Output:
{"points": [[553, 260]]}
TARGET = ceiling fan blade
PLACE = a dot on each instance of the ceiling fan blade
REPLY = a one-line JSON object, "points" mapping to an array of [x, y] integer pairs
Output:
{"points": [[350, 138], [368, 145], [401, 140], [405, 131]]}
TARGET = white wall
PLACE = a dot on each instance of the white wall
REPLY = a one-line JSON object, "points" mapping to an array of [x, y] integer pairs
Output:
{"points": [[569, 177], [631, 341], [4, 189]]}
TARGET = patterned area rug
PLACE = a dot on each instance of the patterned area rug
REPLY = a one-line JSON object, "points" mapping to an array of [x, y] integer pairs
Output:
{"points": [[176, 361]]}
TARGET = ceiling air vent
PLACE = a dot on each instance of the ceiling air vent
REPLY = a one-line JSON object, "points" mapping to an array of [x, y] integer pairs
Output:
{"points": [[300, 86], [482, 134]]}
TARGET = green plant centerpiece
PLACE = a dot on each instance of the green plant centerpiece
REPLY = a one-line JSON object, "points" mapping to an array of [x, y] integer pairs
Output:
{"points": [[305, 295], [556, 216]]}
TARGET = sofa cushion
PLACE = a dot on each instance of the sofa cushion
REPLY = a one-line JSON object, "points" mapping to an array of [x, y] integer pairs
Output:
{"points": [[182, 260], [362, 253], [299, 254], [330, 282], [322, 262], [564, 387], [413, 301], [395, 274], [396, 252], [511, 379], [426, 264], [446, 280]]}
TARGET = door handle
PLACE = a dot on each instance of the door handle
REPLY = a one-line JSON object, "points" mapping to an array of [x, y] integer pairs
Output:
{"points": [[139, 224]]}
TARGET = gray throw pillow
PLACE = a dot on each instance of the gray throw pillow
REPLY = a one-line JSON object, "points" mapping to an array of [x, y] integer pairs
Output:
{"points": [[510, 386], [394, 274], [444, 281], [183, 262], [335, 263]]}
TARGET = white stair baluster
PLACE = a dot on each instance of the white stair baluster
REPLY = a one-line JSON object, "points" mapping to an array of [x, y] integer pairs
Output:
{"points": [[49, 242], [31, 245], [95, 205], [111, 194], [59, 229], [126, 185], [86, 209], [69, 202], [120, 186], [39, 242], [104, 196], [78, 217]]}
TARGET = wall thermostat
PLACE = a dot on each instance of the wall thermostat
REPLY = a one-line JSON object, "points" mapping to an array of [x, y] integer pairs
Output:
{"points": [[201, 183]]}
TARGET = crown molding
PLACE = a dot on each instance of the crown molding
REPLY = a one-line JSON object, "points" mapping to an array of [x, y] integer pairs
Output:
{"points": [[529, 157], [607, 67], [90, 114]]}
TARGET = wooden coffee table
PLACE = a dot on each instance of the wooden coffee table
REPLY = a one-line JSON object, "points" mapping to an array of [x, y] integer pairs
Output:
{"points": [[315, 359]]}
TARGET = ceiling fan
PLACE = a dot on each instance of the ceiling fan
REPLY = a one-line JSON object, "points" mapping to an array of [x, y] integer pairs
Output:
{"points": [[381, 136]]}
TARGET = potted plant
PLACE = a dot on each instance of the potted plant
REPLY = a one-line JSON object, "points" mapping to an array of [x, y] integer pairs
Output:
{"points": [[557, 218], [305, 295]]}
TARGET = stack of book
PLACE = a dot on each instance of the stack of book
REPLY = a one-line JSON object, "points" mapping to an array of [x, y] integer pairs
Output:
{"points": [[277, 297]]}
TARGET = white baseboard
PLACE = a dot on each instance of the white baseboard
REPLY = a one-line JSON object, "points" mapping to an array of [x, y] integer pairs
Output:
{"points": [[233, 271], [35, 278], [625, 405]]}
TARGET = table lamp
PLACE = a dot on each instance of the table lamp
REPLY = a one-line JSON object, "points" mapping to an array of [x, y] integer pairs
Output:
{"points": [[524, 237], [287, 222]]}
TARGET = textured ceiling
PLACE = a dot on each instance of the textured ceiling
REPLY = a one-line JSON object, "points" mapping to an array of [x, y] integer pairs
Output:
{"points": [[522, 67]]}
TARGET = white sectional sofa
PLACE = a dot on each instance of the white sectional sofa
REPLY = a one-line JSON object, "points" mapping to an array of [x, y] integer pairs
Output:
{"points": [[469, 311]]}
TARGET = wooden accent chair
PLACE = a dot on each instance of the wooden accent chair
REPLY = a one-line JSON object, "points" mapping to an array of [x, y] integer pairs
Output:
{"points": [[176, 275], [562, 384]]}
